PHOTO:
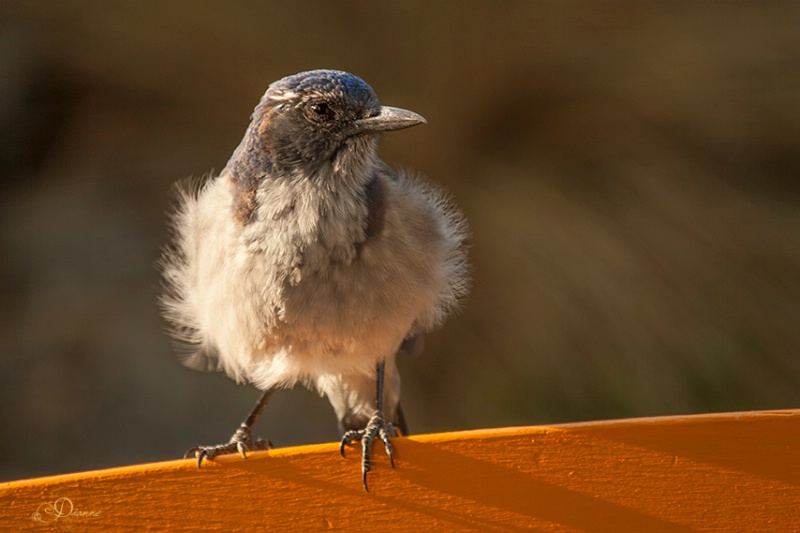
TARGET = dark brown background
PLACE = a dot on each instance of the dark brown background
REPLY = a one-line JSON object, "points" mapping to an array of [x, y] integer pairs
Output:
{"points": [[629, 169]]}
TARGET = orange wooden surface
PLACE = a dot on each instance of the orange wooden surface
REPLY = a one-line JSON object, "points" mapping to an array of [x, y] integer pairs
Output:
{"points": [[728, 473]]}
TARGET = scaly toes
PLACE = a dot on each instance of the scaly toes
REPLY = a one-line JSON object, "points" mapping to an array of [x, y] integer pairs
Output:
{"points": [[241, 442], [376, 428]]}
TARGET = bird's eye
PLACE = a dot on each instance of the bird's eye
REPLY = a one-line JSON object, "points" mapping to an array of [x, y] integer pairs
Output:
{"points": [[321, 108]]}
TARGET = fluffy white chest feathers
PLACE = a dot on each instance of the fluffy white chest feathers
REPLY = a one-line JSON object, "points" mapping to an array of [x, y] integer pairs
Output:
{"points": [[311, 286]]}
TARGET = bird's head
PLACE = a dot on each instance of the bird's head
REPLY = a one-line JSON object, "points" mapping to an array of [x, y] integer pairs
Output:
{"points": [[322, 117]]}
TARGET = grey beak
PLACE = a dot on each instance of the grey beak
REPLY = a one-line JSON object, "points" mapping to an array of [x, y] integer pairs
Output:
{"points": [[388, 119]]}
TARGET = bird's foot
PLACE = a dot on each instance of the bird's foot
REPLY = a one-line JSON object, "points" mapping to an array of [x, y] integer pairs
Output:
{"points": [[241, 441], [377, 427]]}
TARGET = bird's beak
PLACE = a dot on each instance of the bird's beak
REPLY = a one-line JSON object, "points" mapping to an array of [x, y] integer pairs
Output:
{"points": [[388, 118]]}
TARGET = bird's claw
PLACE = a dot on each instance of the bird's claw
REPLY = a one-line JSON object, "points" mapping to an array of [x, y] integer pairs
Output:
{"points": [[241, 441], [377, 427]]}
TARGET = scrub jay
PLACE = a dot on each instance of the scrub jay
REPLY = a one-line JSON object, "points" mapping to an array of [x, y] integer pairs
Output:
{"points": [[308, 259]]}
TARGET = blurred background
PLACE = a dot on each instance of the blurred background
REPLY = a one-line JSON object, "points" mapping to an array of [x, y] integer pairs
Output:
{"points": [[630, 171]]}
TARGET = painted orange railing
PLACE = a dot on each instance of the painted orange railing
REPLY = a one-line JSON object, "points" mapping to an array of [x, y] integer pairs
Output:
{"points": [[727, 472]]}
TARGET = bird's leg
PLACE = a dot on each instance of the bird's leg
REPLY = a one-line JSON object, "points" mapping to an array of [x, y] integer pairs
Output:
{"points": [[242, 439], [377, 427]]}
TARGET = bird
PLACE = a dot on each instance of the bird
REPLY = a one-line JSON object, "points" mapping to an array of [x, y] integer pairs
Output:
{"points": [[308, 260]]}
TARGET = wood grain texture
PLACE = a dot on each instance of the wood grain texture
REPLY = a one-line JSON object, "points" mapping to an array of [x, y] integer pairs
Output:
{"points": [[727, 472]]}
